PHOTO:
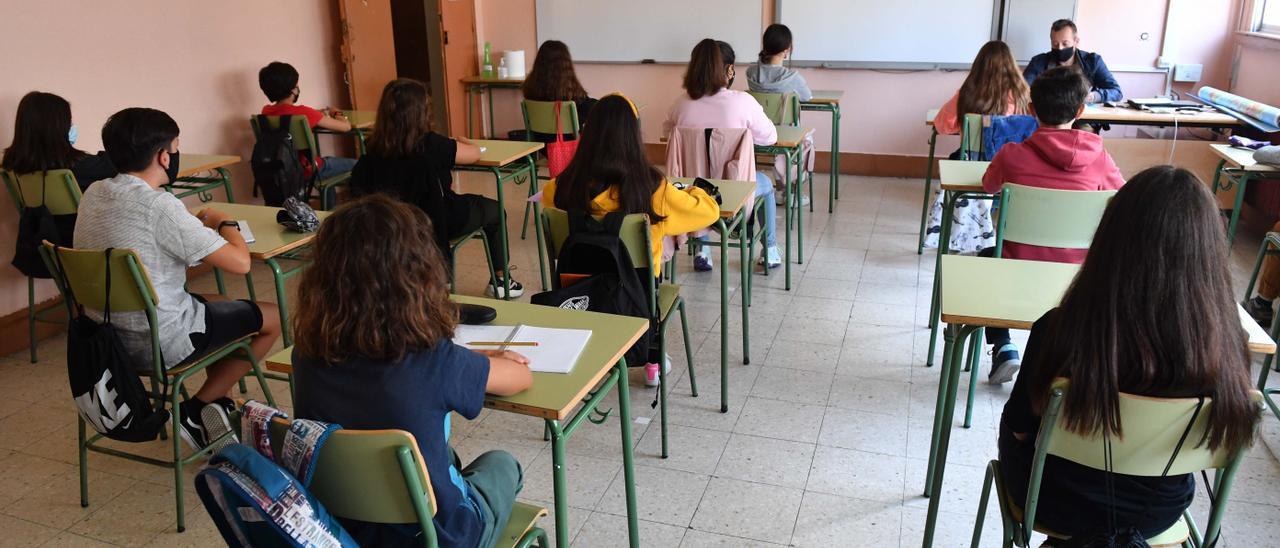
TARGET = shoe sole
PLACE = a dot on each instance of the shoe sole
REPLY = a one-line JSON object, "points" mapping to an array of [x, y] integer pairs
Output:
{"points": [[1005, 372], [491, 292], [216, 424], [185, 435]]}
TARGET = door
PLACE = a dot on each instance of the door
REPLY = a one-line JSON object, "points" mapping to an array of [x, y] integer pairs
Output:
{"points": [[368, 50], [461, 57]]}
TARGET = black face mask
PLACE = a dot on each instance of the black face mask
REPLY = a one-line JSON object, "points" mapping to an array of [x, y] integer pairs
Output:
{"points": [[1062, 55], [172, 171]]}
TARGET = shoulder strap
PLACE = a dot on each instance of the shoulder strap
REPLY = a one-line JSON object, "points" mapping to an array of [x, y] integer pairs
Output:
{"points": [[301, 448], [106, 313], [66, 284], [559, 131], [613, 222], [578, 221]]}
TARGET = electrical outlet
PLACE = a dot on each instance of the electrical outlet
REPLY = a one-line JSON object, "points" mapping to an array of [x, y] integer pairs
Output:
{"points": [[1187, 73]]}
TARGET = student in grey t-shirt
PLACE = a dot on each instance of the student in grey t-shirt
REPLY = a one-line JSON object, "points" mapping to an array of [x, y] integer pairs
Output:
{"points": [[130, 211]]}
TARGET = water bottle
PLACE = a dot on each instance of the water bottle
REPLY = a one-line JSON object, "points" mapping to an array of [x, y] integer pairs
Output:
{"points": [[487, 69], [502, 68]]}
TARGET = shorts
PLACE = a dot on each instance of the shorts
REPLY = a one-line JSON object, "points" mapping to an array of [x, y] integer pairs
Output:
{"points": [[224, 321]]}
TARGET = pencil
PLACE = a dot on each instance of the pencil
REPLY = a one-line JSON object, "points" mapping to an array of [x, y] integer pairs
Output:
{"points": [[500, 343]]}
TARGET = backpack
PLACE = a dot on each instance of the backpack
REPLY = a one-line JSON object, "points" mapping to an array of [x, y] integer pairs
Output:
{"points": [[608, 281], [276, 169], [35, 225], [108, 392]]}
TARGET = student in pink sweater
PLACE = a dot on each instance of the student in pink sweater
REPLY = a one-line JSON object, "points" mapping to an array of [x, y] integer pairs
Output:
{"points": [[1057, 157]]}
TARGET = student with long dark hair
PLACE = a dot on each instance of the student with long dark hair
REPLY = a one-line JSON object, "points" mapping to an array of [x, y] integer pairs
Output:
{"points": [[409, 161], [709, 103], [44, 139], [373, 350], [1150, 313], [552, 78], [769, 75]]}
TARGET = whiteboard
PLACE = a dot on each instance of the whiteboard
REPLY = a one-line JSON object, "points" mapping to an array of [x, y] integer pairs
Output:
{"points": [[665, 31], [894, 31], [1027, 24]]}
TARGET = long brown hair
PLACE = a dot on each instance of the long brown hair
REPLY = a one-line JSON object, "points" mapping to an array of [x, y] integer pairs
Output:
{"points": [[379, 287], [40, 135], [706, 74], [552, 77], [404, 119], [993, 80], [610, 156], [1151, 313]]}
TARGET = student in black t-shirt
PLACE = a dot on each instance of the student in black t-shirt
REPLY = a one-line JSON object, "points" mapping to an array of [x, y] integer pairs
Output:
{"points": [[44, 138], [412, 163], [1150, 313]]}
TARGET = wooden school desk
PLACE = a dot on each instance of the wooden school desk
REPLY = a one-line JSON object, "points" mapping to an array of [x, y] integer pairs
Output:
{"points": [[1235, 169], [190, 182], [829, 101], [481, 85], [272, 243], [554, 397], [361, 123], [736, 197], [982, 292], [512, 160], [1123, 116], [790, 139]]}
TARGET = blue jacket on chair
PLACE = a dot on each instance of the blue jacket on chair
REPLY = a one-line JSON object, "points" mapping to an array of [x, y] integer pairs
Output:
{"points": [[1095, 69]]}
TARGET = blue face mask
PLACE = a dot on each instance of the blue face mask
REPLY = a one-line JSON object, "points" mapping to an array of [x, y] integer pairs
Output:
{"points": [[72, 134]]}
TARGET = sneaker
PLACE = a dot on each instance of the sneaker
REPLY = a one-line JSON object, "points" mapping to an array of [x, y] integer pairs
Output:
{"points": [[779, 197], [651, 370], [1005, 364], [1261, 311], [775, 257], [516, 289], [701, 264], [216, 418], [192, 428]]}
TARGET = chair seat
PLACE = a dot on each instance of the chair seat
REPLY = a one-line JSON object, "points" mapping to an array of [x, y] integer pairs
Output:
{"points": [[336, 180], [1175, 534], [455, 242], [198, 361], [667, 295], [523, 518]]}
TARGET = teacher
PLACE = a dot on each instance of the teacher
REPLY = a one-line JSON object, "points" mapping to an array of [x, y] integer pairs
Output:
{"points": [[1063, 41]]}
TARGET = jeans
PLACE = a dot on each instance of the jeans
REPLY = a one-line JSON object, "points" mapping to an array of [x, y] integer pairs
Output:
{"points": [[496, 477], [764, 187], [335, 165]]}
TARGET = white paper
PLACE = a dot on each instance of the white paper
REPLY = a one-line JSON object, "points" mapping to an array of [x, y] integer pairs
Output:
{"points": [[558, 349], [245, 232]]}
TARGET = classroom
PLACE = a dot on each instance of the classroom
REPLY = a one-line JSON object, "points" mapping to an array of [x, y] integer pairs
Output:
{"points": [[596, 273]]}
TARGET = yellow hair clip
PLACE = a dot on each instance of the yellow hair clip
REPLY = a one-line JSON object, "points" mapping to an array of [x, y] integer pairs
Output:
{"points": [[634, 110]]}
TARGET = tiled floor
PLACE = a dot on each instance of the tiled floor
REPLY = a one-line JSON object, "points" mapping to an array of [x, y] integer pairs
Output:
{"points": [[824, 443]]}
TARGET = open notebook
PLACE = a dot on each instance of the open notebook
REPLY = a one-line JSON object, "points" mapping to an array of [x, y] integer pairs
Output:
{"points": [[557, 350]]}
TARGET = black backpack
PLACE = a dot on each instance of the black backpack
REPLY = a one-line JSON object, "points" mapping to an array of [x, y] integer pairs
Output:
{"points": [[612, 285], [108, 393], [276, 169], [35, 225]]}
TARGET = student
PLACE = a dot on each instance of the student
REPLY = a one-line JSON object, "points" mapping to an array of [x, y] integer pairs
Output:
{"points": [[379, 355], [1063, 39], [409, 161], [44, 139], [709, 103], [1057, 157], [993, 86], [129, 211], [769, 75], [1156, 272], [279, 81], [552, 79], [610, 173]]}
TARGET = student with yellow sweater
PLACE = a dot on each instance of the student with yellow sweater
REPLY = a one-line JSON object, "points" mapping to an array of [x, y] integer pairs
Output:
{"points": [[610, 173]]}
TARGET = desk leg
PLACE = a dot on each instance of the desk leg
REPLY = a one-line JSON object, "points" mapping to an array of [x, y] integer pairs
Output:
{"points": [[488, 92], [786, 210], [1241, 184], [558, 484], [281, 301], [834, 193], [800, 178], [470, 133], [928, 185], [537, 222], [956, 335], [724, 313], [226, 184], [502, 236], [939, 406], [628, 453], [944, 245], [744, 252]]}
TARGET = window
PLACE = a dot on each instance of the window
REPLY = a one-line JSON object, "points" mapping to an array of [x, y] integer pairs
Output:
{"points": [[1267, 17]]}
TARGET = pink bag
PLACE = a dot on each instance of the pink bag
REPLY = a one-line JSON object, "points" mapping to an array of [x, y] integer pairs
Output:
{"points": [[560, 152]]}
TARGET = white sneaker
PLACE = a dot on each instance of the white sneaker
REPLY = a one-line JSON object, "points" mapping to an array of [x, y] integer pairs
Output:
{"points": [[651, 370], [775, 257]]}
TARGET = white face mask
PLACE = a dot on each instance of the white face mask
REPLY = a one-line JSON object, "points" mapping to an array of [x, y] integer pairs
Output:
{"points": [[73, 134]]}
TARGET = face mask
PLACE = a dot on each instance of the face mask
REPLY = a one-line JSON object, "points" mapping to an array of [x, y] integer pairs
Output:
{"points": [[1062, 55], [73, 134], [172, 171]]}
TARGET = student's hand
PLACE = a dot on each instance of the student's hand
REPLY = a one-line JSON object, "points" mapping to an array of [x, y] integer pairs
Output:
{"points": [[506, 355], [211, 217], [464, 140], [337, 114]]}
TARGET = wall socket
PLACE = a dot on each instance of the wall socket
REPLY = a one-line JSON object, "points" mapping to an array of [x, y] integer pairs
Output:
{"points": [[1187, 73]]}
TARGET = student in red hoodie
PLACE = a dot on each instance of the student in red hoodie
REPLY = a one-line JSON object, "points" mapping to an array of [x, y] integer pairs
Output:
{"points": [[1056, 157]]}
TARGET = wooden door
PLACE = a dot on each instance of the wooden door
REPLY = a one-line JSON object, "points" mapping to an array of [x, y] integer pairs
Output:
{"points": [[461, 57], [368, 50]]}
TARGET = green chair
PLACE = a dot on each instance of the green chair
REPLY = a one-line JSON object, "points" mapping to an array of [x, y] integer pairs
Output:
{"points": [[970, 149], [456, 244], [783, 109], [663, 298], [1044, 217], [1270, 246], [540, 117], [1153, 433], [378, 476], [81, 275], [304, 140], [56, 190]]}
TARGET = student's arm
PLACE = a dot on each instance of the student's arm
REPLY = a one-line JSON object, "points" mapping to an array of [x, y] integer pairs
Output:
{"points": [[684, 210], [232, 257], [1019, 416], [1113, 179], [802, 88], [334, 120], [468, 152], [1104, 83], [549, 194], [946, 122], [995, 177], [508, 373], [763, 132]]}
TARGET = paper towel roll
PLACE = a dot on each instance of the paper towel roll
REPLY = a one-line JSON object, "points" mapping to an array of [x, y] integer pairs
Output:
{"points": [[515, 63], [1249, 107]]}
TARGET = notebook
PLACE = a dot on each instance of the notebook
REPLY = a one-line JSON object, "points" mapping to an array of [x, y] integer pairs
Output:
{"points": [[557, 351]]}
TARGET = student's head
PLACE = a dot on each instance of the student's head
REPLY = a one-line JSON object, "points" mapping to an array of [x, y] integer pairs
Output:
{"points": [[727, 55], [383, 290], [404, 118], [610, 154], [1152, 310], [777, 41], [552, 77], [144, 142], [993, 80], [42, 136], [1058, 96], [1063, 39], [708, 70], [279, 81]]}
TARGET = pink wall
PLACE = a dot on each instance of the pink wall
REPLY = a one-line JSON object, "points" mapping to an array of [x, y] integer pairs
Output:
{"points": [[196, 60], [1258, 65]]}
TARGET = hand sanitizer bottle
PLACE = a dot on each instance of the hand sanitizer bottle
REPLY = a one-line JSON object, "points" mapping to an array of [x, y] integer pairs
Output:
{"points": [[487, 69]]}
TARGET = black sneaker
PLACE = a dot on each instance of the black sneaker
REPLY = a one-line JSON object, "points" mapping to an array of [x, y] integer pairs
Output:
{"points": [[1004, 364], [516, 289], [216, 418], [1260, 311], [192, 430]]}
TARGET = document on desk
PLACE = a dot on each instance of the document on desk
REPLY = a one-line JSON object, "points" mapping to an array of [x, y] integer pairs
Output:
{"points": [[549, 349]]}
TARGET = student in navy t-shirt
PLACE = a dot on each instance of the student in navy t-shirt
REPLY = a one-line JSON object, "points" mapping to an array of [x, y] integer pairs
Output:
{"points": [[373, 350]]}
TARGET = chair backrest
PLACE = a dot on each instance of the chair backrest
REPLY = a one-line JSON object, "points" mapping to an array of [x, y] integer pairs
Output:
{"points": [[1049, 217], [783, 109], [84, 271], [971, 137], [56, 189], [634, 234], [376, 476], [303, 138], [540, 117]]}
